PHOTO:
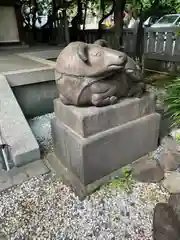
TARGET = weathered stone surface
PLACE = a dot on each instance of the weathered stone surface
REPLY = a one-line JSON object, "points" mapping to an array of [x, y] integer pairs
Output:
{"points": [[165, 124], [174, 202], [147, 104], [92, 158], [146, 169], [15, 129], [91, 120], [169, 161], [172, 182], [166, 225], [170, 155], [73, 181]]}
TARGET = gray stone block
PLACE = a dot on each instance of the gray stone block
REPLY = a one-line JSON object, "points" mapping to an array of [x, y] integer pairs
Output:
{"points": [[92, 158], [91, 120], [147, 169], [36, 168], [15, 129]]}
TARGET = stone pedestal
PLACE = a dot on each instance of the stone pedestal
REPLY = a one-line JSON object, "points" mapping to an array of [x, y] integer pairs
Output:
{"points": [[93, 142]]}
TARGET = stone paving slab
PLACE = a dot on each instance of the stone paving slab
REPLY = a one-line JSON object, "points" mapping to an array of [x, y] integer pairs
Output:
{"points": [[17, 175], [15, 129]]}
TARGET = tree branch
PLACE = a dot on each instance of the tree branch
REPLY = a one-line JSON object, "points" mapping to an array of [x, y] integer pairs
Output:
{"points": [[104, 17]]}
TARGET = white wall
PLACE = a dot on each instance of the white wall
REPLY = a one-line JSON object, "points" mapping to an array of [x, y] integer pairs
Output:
{"points": [[8, 25]]}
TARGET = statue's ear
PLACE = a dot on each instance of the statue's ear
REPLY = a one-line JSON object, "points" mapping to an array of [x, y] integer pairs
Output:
{"points": [[101, 42], [82, 51]]}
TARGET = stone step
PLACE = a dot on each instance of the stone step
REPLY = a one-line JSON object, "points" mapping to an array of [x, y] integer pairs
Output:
{"points": [[14, 127]]}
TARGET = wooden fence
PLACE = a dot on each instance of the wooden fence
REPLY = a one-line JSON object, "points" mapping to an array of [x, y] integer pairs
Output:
{"points": [[162, 49], [129, 39], [161, 45]]}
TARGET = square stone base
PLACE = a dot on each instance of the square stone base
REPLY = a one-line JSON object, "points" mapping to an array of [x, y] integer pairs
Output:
{"points": [[72, 181], [96, 156], [88, 121]]}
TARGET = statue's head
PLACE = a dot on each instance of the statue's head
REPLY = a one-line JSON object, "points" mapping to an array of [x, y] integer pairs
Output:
{"points": [[82, 59]]}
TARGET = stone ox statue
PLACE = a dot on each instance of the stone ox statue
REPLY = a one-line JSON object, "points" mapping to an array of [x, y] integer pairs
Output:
{"points": [[94, 74]]}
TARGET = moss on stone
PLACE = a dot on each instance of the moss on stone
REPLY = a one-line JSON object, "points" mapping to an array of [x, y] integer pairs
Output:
{"points": [[124, 182]]}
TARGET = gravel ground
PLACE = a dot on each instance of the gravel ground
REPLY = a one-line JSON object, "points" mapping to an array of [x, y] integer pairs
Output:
{"points": [[41, 128], [44, 208]]}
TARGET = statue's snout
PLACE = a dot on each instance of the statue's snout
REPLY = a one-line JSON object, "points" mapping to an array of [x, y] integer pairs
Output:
{"points": [[115, 58]]}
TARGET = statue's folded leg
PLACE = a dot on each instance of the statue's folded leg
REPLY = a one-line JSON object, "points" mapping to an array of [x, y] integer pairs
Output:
{"points": [[96, 101], [64, 100], [137, 90], [104, 93]]}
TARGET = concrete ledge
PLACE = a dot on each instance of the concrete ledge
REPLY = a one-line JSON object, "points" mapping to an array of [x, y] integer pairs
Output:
{"points": [[36, 99], [41, 57], [15, 129], [29, 76], [45, 54]]}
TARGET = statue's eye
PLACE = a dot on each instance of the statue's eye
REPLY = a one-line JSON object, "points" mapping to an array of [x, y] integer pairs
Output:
{"points": [[98, 54]]}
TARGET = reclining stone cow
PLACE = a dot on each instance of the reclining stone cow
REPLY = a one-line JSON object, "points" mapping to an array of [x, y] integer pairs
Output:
{"points": [[94, 74]]}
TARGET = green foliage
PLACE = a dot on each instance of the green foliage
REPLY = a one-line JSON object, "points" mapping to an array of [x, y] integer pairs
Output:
{"points": [[43, 6], [178, 137], [177, 33], [169, 5], [96, 7], [160, 7], [163, 4], [172, 101], [124, 182]]}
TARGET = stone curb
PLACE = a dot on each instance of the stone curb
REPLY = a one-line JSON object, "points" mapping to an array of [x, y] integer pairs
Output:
{"points": [[18, 175]]}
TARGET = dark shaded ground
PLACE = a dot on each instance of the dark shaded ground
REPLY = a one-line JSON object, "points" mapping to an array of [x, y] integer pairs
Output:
{"points": [[158, 80]]}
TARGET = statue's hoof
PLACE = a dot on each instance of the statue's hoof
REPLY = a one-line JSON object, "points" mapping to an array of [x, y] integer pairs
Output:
{"points": [[113, 99], [103, 102]]}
